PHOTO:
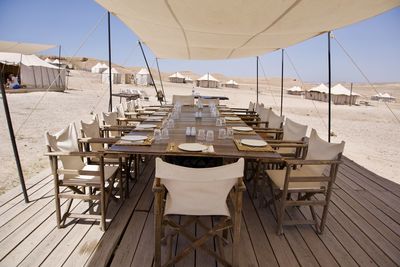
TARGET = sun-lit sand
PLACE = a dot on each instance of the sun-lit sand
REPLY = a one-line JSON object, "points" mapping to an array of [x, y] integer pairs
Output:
{"points": [[371, 132]]}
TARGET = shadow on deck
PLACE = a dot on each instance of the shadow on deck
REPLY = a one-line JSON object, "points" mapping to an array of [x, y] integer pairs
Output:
{"points": [[362, 228]]}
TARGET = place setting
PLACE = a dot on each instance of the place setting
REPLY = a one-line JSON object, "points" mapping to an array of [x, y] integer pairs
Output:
{"points": [[190, 147], [243, 130], [146, 127], [135, 140], [252, 145]]}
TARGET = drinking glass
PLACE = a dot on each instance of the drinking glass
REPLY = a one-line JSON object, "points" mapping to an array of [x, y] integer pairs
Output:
{"points": [[157, 135], [223, 121], [188, 131], [218, 122], [171, 123], [164, 133], [229, 133], [221, 134], [210, 136], [201, 135], [193, 131]]}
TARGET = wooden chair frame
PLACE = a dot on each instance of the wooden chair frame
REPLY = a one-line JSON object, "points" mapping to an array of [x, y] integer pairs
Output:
{"points": [[161, 222], [282, 198]]}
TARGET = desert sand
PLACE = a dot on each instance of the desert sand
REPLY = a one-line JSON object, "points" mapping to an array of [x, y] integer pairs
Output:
{"points": [[371, 132]]}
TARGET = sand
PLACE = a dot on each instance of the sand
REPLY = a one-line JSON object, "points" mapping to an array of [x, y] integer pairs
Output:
{"points": [[371, 132]]}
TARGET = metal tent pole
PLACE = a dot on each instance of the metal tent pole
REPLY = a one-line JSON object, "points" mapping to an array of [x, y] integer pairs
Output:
{"points": [[283, 50], [59, 66], [329, 87], [109, 62], [12, 137], [148, 68], [351, 93], [162, 87], [257, 80]]}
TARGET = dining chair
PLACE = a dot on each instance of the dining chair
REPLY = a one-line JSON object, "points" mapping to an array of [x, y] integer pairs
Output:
{"points": [[183, 99], [208, 101], [197, 192], [306, 178], [75, 179]]}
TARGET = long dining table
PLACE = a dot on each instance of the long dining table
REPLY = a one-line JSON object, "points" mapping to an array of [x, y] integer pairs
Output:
{"points": [[224, 148]]}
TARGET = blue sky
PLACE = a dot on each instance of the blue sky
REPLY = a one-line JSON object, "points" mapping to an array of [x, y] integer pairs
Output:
{"points": [[374, 43]]}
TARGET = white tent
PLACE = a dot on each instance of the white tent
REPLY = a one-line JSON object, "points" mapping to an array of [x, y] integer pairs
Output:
{"points": [[207, 80], [385, 97], [56, 61], [115, 76], [143, 77], [231, 84], [319, 93], [33, 71], [48, 60], [342, 96], [188, 79], [295, 90], [99, 68], [212, 29], [176, 78]]}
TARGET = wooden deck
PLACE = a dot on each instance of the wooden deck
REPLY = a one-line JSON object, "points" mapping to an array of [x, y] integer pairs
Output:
{"points": [[363, 228]]}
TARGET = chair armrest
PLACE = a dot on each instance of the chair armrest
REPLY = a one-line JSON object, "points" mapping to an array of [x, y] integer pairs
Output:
{"points": [[291, 162], [267, 130], [75, 154], [240, 186], [158, 188], [292, 145], [90, 140]]}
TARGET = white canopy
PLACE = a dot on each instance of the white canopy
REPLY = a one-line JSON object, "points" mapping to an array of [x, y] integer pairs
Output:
{"points": [[108, 71], [232, 82], [56, 61], [143, 71], [207, 77], [102, 65], [187, 78], [339, 89], [177, 75], [48, 60], [224, 29], [295, 89], [23, 48], [322, 88], [27, 60], [386, 95]]}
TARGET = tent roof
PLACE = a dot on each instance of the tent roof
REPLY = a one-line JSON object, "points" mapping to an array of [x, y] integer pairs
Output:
{"points": [[339, 89], [322, 88], [177, 75], [386, 95], [108, 71], [23, 48], [104, 66], [48, 60], [212, 29], [295, 89], [231, 82], [187, 78], [98, 65], [143, 71], [56, 61], [27, 60], [207, 77]]}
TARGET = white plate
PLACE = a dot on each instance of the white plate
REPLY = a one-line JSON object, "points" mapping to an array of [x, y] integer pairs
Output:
{"points": [[232, 118], [160, 113], [193, 147], [154, 118], [252, 142], [242, 129], [146, 126], [134, 137]]}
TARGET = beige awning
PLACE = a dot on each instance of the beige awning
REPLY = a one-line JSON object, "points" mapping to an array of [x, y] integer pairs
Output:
{"points": [[23, 48], [224, 29]]}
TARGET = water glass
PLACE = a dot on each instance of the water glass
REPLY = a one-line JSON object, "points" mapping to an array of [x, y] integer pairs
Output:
{"points": [[164, 133], [229, 133], [223, 121], [221, 134], [201, 135], [218, 122], [188, 131], [171, 123], [210, 136], [193, 131], [157, 135]]}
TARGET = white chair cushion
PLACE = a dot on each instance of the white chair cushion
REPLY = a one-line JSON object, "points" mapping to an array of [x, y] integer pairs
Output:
{"points": [[109, 171], [278, 178], [92, 129]]}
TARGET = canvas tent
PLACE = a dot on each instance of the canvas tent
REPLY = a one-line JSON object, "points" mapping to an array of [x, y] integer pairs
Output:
{"points": [[188, 79], [385, 97], [32, 71], [48, 60], [295, 90], [115, 76], [208, 81], [231, 84], [319, 93], [340, 95], [143, 77], [176, 78], [99, 68]]}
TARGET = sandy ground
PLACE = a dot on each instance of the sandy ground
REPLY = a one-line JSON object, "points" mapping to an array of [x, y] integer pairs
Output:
{"points": [[371, 132]]}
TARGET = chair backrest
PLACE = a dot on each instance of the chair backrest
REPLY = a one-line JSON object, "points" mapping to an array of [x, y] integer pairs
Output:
{"points": [[208, 101], [198, 191], [263, 113], [251, 106], [183, 99], [124, 105], [293, 131], [110, 118], [319, 149], [120, 110], [131, 106], [258, 107], [92, 129], [274, 120], [65, 140]]}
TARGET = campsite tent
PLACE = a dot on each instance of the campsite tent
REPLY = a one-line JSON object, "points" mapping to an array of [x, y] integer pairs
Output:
{"points": [[48, 60], [143, 77], [176, 78], [208, 81], [99, 68], [319, 93], [385, 97], [115, 76], [32, 71], [295, 90], [342, 96], [188, 79], [231, 84]]}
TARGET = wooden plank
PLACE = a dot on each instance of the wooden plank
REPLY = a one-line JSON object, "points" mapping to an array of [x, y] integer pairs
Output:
{"points": [[183, 242], [202, 258], [359, 236], [259, 239], [112, 236], [127, 248], [360, 179], [382, 241], [146, 200], [145, 250]]}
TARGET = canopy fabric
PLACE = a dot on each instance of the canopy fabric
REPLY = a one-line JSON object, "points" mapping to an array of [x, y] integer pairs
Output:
{"points": [[177, 75], [23, 48], [322, 88], [232, 82], [207, 77], [224, 29], [108, 71], [339, 89], [295, 89], [27, 60], [143, 71]]}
